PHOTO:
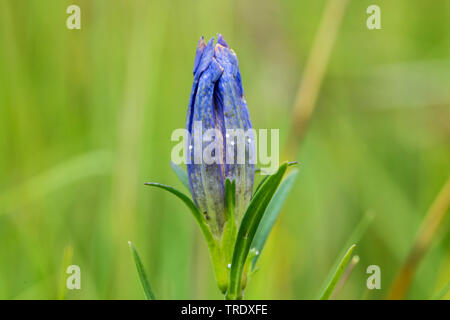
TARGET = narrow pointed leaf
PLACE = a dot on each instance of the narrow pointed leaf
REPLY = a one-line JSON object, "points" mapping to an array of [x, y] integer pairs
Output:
{"points": [[188, 202], [271, 215], [337, 274], [291, 163], [345, 276], [248, 227], [181, 174], [261, 183], [355, 237], [148, 291]]}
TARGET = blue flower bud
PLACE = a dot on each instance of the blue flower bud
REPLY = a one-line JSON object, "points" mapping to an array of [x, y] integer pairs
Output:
{"points": [[217, 105]]}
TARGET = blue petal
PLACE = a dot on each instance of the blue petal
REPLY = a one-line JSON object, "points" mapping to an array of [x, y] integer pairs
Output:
{"points": [[203, 58], [206, 181], [206, 58], [198, 54], [221, 40], [230, 99], [217, 101]]}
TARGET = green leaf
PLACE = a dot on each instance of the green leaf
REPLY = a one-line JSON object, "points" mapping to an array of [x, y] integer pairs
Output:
{"points": [[292, 163], [148, 291], [181, 174], [220, 267], [261, 183], [188, 202], [355, 237], [337, 274], [247, 230], [271, 215]]}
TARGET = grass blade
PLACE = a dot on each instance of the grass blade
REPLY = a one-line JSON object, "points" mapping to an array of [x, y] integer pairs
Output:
{"points": [[181, 174], [432, 223], [247, 230], [355, 237], [345, 276], [148, 291], [441, 294], [73, 170], [337, 274], [271, 214], [313, 74]]}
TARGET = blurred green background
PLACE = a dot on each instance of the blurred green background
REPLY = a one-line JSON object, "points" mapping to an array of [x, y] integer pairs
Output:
{"points": [[86, 117]]}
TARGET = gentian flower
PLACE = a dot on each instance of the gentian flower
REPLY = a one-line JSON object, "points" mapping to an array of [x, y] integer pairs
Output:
{"points": [[217, 103], [220, 169]]}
